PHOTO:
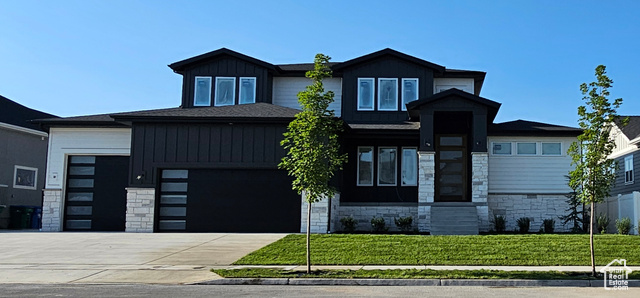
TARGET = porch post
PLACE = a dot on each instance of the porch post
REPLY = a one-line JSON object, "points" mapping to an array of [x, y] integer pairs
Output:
{"points": [[426, 188]]}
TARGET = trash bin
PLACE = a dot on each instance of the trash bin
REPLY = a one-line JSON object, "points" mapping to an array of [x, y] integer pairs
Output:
{"points": [[19, 217], [36, 217]]}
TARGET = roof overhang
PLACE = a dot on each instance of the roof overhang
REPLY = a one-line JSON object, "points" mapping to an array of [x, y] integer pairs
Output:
{"points": [[492, 107], [180, 66], [388, 52]]}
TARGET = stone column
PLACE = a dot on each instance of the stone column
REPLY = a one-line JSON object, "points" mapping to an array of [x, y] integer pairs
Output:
{"points": [[319, 215], [140, 210], [426, 188], [52, 210], [480, 187]]}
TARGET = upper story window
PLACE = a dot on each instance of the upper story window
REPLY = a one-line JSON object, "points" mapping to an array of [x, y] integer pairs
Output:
{"points": [[409, 92], [526, 148], [501, 148], [225, 91], [628, 169], [365, 94], [551, 148], [386, 94], [202, 94], [247, 90]]}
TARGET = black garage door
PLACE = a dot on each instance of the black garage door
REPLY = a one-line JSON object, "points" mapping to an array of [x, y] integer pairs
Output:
{"points": [[96, 196], [228, 201]]}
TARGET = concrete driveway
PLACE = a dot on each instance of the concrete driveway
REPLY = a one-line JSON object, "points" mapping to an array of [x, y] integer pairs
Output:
{"points": [[33, 257]]}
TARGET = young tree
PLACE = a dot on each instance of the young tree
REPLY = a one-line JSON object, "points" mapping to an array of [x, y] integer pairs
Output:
{"points": [[311, 141], [593, 176]]}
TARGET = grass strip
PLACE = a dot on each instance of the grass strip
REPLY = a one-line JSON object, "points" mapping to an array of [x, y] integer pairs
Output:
{"points": [[489, 250], [408, 274]]}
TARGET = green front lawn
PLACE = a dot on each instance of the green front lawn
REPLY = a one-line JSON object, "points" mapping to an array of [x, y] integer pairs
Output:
{"points": [[532, 250]]}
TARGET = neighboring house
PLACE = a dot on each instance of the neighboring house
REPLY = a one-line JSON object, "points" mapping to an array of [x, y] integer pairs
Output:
{"points": [[420, 139], [625, 195], [23, 155]]}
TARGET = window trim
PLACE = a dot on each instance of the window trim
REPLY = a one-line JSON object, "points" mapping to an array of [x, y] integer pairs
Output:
{"points": [[373, 94], [500, 154], [395, 167], [233, 96], [415, 182], [542, 149], [240, 93], [15, 177], [527, 154], [371, 166], [403, 106], [628, 179], [395, 108], [195, 91]]}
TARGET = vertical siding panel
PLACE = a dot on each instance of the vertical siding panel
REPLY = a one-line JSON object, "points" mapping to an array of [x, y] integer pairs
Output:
{"points": [[159, 154], [149, 143], [259, 145], [225, 143], [182, 144], [247, 145], [215, 144], [236, 143], [280, 152], [137, 151], [203, 149], [193, 143], [171, 145], [269, 144]]}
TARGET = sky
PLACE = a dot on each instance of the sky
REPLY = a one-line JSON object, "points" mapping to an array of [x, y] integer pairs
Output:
{"points": [[86, 57]]}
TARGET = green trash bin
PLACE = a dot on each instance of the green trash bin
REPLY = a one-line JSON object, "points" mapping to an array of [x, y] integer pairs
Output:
{"points": [[20, 217]]}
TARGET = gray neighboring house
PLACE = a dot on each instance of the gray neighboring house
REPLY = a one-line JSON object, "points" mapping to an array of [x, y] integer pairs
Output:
{"points": [[23, 157], [625, 195]]}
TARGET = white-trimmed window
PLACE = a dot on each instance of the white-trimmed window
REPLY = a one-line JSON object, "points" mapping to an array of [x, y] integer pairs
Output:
{"points": [[247, 90], [365, 94], [365, 166], [552, 149], [409, 91], [202, 92], [526, 148], [225, 91], [387, 94], [25, 177], [409, 166], [501, 148], [628, 169], [387, 166]]}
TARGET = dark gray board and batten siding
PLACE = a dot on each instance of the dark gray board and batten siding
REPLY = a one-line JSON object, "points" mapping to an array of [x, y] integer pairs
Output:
{"points": [[226, 66], [620, 187], [205, 146], [386, 67]]}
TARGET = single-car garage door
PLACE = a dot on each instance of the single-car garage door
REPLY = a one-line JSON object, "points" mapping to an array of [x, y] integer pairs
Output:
{"points": [[231, 200]]}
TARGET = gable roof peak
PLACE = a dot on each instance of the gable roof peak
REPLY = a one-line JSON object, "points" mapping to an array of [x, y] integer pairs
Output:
{"points": [[183, 64], [389, 52]]}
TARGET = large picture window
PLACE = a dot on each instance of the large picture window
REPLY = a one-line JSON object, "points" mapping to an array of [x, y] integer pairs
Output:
{"points": [[387, 94], [628, 169], [247, 90], [409, 166], [25, 177], [225, 91], [365, 94], [202, 94], [365, 166], [387, 166], [409, 91]]}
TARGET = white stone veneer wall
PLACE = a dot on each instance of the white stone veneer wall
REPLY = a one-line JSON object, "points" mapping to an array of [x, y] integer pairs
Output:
{"points": [[363, 214], [480, 187], [426, 188], [319, 215], [52, 210], [140, 210], [536, 207]]}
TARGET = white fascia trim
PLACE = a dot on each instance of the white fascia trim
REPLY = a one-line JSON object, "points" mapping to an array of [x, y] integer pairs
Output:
{"points": [[623, 152], [24, 129], [635, 141]]}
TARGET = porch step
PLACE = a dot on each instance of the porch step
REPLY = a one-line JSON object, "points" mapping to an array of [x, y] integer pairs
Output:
{"points": [[449, 220]]}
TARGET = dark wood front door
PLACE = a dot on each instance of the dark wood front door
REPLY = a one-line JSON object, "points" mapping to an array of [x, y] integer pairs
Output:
{"points": [[451, 168]]}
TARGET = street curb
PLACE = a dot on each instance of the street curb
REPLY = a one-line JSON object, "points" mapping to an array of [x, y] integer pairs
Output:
{"points": [[410, 282]]}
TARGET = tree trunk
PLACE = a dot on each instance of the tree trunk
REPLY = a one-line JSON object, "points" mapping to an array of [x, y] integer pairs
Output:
{"points": [[309, 237], [593, 257]]}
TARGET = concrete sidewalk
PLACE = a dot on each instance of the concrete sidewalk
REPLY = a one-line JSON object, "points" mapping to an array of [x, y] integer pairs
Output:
{"points": [[28, 257]]}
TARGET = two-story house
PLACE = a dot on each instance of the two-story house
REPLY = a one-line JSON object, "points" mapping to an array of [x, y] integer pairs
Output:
{"points": [[625, 194], [421, 142]]}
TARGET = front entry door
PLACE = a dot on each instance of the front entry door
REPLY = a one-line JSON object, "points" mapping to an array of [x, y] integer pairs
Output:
{"points": [[451, 168]]}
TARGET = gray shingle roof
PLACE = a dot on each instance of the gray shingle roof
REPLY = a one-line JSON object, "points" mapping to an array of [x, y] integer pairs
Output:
{"points": [[632, 129], [253, 111], [529, 127], [399, 126]]}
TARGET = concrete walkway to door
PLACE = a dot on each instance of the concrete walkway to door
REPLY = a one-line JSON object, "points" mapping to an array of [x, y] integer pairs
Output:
{"points": [[34, 257]]}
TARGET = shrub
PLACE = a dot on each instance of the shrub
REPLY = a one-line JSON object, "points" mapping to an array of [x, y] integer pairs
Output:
{"points": [[638, 226], [404, 223], [378, 224], [523, 224], [499, 223], [548, 225], [348, 224], [623, 225], [602, 222]]}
